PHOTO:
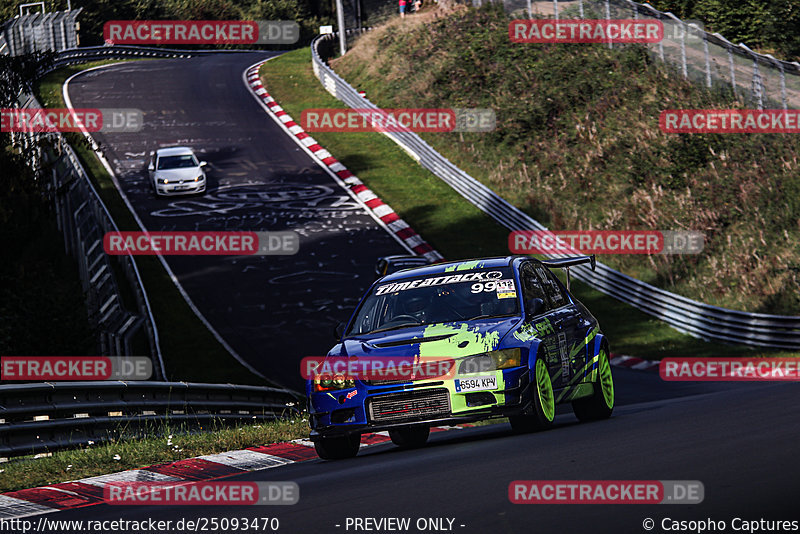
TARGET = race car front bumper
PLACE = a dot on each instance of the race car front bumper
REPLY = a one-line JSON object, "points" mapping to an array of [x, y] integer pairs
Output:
{"points": [[368, 408]]}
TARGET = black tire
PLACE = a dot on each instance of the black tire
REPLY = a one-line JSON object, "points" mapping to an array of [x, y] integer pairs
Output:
{"points": [[601, 403], [542, 403], [338, 448], [410, 437]]}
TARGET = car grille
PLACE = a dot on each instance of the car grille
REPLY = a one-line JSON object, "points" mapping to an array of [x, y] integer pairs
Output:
{"points": [[386, 382], [409, 406]]}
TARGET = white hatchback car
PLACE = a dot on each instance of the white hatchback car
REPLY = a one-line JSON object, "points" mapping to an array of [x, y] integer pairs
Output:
{"points": [[175, 171]]}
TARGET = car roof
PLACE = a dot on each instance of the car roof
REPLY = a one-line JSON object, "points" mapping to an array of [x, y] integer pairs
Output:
{"points": [[174, 151], [451, 266]]}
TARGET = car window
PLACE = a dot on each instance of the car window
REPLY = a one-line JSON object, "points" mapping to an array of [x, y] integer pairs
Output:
{"points": [[551, 286], [532, 286], [176, 162], [440, 298]]}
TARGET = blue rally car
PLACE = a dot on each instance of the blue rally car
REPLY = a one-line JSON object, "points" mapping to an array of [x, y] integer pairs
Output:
{"points": [[520, 343]]}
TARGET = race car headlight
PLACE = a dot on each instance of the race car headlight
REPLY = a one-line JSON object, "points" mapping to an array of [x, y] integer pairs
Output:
{"points": [[330, 383], [490, 361]]}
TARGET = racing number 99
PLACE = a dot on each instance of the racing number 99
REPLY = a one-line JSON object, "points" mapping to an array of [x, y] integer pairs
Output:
{"points": [[487, 286]]}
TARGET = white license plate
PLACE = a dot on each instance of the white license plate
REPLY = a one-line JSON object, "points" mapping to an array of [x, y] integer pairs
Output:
{"points": [[478, 383]]}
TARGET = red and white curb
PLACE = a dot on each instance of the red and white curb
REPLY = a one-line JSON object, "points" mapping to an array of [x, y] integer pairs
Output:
{"points": [[89, 491], [385, 214], [632, 362]]}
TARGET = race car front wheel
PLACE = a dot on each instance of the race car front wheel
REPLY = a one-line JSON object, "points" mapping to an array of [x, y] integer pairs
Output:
{"points": [[338, 448], [410, 437], [543, 403], [601, 403]]}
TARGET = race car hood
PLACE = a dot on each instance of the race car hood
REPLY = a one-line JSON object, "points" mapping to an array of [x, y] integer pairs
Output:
{"points": [[445, 340]]}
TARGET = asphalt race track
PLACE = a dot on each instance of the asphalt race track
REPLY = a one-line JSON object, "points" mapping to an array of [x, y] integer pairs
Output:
{"points": [[740, 441], [272, 310]]}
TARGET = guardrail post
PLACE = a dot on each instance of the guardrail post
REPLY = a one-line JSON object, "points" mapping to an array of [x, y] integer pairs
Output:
{"points": [[708, 61], [684, 29], [779, 66], [757, 85]]}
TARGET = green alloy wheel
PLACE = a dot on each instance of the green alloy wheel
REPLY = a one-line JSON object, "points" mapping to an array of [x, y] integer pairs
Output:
{"points": [[601, 403]]}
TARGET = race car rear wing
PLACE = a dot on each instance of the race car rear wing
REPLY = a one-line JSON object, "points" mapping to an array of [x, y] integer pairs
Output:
{"points": [[566, 263], [392, 264]]}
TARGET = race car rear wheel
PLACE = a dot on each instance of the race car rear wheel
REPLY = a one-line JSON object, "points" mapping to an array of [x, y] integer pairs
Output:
{"points": [[410, 437], [601, 403], [543, 403], [338, 447]]}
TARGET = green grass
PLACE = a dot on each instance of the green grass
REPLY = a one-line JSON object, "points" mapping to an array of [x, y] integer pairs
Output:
{"points": [[452, 225], [190, 351], [162, 445]]}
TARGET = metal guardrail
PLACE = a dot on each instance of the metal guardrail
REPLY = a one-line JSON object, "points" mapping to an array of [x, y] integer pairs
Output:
{"points": [[684, 314], [45, 417], [83, 219]]}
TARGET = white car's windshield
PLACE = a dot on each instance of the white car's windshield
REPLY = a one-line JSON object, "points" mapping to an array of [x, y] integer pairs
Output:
{"points": [[176, 162], [441, 298]]}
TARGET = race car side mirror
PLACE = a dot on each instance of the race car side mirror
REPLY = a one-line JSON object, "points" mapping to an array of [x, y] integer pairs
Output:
{"points": [[338, 331], [534, 307]]}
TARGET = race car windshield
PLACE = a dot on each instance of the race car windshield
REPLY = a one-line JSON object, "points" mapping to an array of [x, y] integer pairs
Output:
{"points": [[443, 298], [176, 162]]}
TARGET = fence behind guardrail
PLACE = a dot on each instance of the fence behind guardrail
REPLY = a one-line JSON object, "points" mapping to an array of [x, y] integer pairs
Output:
{"points": [[39, 32]]}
